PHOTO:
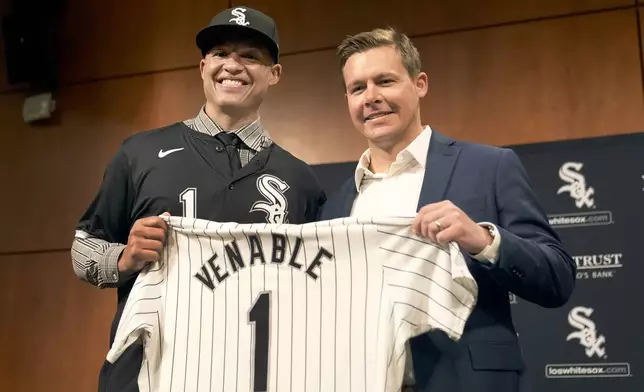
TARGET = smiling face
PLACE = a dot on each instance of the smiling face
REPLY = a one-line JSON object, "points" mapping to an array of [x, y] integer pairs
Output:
{"points": [[383, 98], [236, 77]]}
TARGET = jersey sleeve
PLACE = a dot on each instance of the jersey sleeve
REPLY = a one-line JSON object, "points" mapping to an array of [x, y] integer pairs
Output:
{"points": [[431, 286], [314, 205], [142, 316], [108, 216], [316, 197]]}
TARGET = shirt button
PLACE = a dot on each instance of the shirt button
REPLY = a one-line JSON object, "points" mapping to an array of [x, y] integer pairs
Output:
{"points": [[231, 186], [219, 148], [114, 276]]}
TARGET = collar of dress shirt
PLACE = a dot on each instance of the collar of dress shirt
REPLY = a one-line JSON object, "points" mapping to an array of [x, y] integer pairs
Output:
{"points": [[253, 135], [417, 151]]}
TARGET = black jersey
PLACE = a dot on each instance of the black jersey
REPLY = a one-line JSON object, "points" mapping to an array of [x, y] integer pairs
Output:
{"points": [[186, 173]]}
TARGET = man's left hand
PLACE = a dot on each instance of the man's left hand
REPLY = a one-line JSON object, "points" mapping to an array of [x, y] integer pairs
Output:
{"points": [[443, 222]]}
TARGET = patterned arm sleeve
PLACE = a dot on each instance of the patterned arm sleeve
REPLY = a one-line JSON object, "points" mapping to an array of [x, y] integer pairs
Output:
{"points": [[96, 261]]}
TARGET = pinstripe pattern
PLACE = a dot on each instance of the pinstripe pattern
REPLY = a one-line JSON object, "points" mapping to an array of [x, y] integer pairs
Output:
{"points": [[96, 261], [341, 325]]}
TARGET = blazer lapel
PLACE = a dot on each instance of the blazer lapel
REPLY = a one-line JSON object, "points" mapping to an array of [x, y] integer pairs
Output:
{"points": [[439, 166]]}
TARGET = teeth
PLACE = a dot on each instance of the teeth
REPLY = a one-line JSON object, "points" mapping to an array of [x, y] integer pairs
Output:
{"points": [[371, 117], [231, 82]]}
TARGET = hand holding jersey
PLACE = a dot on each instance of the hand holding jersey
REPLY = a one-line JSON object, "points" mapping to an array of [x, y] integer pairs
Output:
{"points": [[443, 222], [144, 244]]}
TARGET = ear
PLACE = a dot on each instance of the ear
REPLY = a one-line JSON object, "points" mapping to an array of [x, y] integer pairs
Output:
{"points": [[202, 65], [421, 84], [276, 74], [344, 88]]}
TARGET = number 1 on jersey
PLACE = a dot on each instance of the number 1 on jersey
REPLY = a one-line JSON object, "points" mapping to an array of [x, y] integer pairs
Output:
{"points": [[259, 317], [188, 199]]}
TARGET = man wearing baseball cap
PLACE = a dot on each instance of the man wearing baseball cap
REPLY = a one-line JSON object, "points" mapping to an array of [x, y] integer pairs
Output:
{"points": [[206, 167]]}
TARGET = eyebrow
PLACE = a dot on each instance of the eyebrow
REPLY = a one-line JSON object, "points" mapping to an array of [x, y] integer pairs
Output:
{"points": [[377, 77], [387, 75]]}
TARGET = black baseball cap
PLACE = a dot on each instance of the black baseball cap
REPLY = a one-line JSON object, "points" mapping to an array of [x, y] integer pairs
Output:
{"points": [[240, 23]]}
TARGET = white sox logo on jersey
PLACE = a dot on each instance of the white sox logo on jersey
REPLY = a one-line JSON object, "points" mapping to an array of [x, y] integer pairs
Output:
{"points": [[276, 206], [587, 331], [240, 17], [577, 188]]}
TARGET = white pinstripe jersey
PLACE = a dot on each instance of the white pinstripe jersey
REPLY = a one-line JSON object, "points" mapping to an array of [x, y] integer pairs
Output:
{"points": [[319, 307]]}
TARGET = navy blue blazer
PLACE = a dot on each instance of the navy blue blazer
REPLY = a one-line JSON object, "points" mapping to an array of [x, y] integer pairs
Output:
{"points": [[489, 184]]}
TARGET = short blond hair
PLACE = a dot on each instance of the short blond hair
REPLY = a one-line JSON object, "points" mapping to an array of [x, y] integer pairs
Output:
{"points": [[376, 38]]}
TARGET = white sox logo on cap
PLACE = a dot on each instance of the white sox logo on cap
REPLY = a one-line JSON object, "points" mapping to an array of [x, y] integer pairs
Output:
{"points": [[240, 17]]}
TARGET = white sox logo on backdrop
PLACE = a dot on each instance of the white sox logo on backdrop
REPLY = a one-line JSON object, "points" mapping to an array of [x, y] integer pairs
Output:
{"points": [[272, 188], [240, 17], [577, 188], [587, 331], [583, 195], [594, 344]]}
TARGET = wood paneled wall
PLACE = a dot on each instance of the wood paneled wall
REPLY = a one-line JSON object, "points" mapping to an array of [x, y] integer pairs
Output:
{"points": [[501, 72]]}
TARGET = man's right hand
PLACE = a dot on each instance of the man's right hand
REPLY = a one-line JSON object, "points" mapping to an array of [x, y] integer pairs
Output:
{"points": [[144, 244]]}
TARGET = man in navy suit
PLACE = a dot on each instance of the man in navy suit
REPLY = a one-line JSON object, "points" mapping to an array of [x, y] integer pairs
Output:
{"points": [[476, 195]]}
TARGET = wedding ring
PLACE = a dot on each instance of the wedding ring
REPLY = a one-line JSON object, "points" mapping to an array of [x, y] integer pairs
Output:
{"points": [[438, 224]]}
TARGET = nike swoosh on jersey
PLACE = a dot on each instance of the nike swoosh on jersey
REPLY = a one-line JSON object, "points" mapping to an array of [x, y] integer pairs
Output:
{"points": [[163, 154]]}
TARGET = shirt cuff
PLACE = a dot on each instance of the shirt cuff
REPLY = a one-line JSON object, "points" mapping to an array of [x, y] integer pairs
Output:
{"points": [[491, 252], [109, 268]]}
